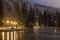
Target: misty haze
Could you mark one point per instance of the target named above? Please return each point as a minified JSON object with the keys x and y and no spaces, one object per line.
{"x":53,"y":3}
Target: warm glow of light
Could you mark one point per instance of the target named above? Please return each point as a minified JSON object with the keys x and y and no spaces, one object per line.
{"x":12,"y":36}
{"x":2,"y":35}
{"x":15,"y":35}
{"x":7,"y":35}
{"x":15,"y":23}
{"x":7,"y":21}
{"x":12,"y":22}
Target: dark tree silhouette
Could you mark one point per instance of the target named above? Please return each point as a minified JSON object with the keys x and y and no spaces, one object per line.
{"x":49,"y":20}
{"x":1,"y":14}
{"x":24,"y":11}
{"x":58,"y":19}
{"x":30,"y":19}
{"x":1,"y":18}
{"x":45,"y":18}
{"x":40,"y":19}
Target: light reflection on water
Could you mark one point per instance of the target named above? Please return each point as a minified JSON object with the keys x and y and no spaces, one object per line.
{"x":7,"y":35}
{"x":2,"y":35}
{"x":12,"y":35}
{"x":34,"y":34}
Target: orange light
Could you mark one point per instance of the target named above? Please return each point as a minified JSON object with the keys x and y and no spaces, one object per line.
{"x":15,"y":23}
{"x":11,"y":22}
{"x":7,"y":21}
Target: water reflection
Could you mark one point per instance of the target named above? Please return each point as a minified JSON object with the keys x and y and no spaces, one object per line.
{"x":2,"y":35}
{"x":12,"y":35}
{"x":46,"y":33}
{"x":7,"y":35}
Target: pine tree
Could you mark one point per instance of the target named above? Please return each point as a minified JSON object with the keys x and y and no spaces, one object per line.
{"x":30,"y":19}
{"x":1,"y":14}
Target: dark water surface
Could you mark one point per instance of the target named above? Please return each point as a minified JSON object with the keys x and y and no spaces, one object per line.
{"x":34,"y":34}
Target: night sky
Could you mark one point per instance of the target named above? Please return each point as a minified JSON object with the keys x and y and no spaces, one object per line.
{"x":53,"y":3}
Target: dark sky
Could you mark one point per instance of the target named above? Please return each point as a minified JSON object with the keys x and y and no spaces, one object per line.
{"x":53,"y":3}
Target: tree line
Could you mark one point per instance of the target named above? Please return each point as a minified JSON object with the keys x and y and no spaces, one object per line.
{"x":27,"y":13}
